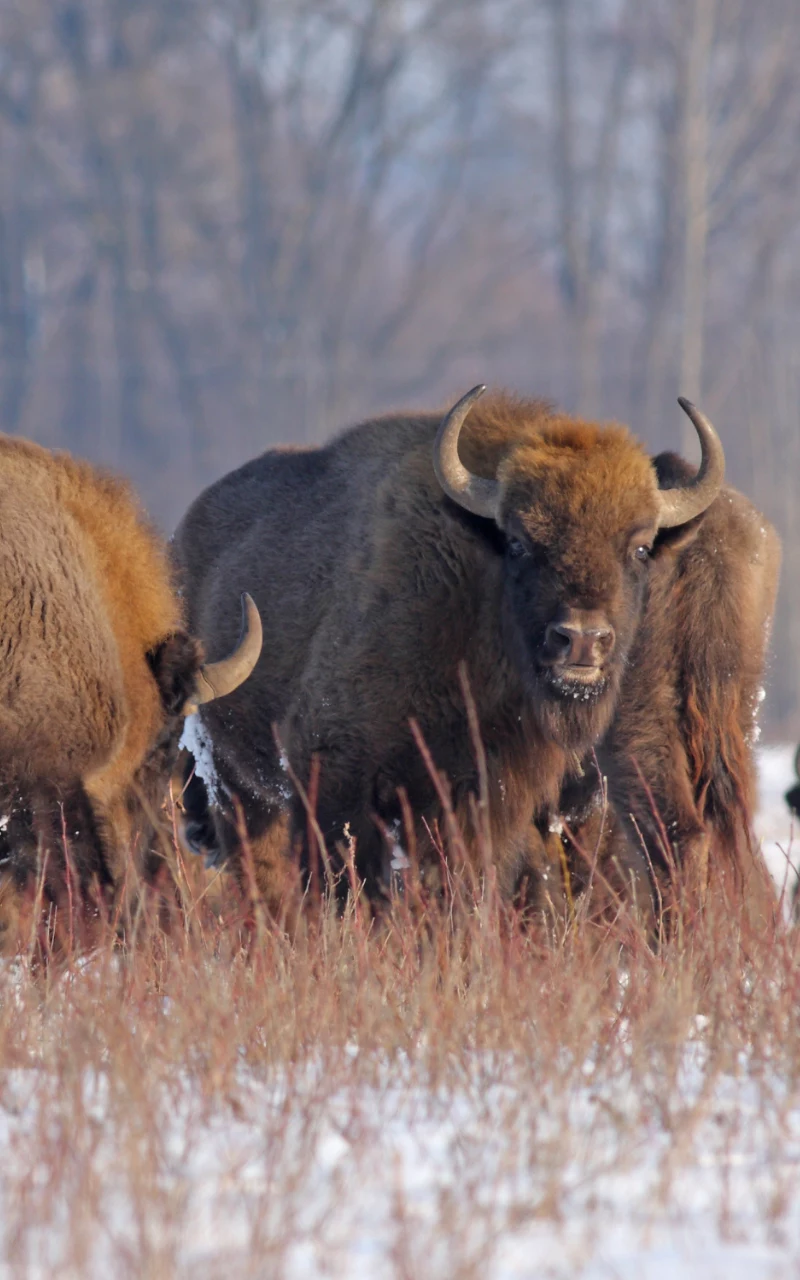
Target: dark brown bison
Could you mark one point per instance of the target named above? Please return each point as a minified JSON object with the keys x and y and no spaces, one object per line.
{"x":793,"y":794}
{"x":97,"y":674}
{"x":678,"y":756}
{"x":506,"y":539}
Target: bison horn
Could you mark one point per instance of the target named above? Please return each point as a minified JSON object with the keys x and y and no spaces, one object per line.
{"x":475,"y":493}
{"x":215,"y":679}
{"x":691,"y":499}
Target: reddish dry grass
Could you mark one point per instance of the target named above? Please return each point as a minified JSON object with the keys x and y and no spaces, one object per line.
{"x":172,"y":1105}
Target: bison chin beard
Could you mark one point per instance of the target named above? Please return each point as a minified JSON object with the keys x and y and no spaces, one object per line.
{"x":573,"y":715}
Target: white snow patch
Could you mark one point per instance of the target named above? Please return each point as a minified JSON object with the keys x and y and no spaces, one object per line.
{"x":196,"y":740}
{"x":399,"y":859}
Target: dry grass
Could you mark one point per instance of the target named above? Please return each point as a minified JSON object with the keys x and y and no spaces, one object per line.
{"x":443,"y":1095}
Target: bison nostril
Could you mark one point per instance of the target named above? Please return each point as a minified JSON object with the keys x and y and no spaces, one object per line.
{"x":604,"y":641}
{"x":559,"y":640}
{"x":577,"y":645}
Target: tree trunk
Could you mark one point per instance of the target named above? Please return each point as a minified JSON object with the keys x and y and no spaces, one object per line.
{"x":695,"y":164}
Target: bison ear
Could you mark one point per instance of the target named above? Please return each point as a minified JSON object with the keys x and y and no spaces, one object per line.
{"x":671,"y":541}
{"x":673,"y":471}
{"x":175,"y":663}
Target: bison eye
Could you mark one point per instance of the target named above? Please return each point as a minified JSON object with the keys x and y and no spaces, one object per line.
{"x":642,"y":553}
{"x":516,"y":548}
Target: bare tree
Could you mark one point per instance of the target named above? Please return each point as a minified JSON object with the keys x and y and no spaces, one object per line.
{"x":584,"y":175}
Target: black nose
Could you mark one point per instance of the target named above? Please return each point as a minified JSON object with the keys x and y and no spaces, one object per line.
{"x":578,"y":646}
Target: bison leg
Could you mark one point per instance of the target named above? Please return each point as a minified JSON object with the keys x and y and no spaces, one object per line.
{"x":614,"y":871}
{"x":249,"y":835}
{"x":541,"y":888}
{"x":52,"y":852}
{"x":654,"y":799}
{"x":260,"y":856}
{"x":346,"y":825}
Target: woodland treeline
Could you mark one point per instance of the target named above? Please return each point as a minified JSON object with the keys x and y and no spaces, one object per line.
{"x":228,"y":223}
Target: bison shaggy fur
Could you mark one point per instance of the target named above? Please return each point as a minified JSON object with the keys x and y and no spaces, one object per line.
{"x":377,"y":591}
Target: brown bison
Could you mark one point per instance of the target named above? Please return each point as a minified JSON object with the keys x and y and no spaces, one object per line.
{"x":506,"y":539}
{"x":678,"y":756}
{"x":793,"y":794}
{"x":97,"y":675}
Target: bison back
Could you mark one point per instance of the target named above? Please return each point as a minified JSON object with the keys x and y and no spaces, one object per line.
{"x":61,"y":693}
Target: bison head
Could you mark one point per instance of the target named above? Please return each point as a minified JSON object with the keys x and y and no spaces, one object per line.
{"x":185,"y":682}
{"x":583,"y":518}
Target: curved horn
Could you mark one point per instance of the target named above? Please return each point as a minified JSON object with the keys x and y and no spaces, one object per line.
{"x":215,"y":679}
{"x":692,"y":498}
{"x":475,"y":493}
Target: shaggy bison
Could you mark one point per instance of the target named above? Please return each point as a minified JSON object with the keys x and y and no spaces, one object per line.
{"x":678,"y":755}
{"x":97,"y":675}
{"x":793,"y":794}
{"x":507,"y":540}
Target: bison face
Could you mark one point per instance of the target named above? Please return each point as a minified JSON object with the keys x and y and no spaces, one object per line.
{"x":582,"y":513}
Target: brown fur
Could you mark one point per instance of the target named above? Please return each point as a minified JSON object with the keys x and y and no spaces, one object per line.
{"x":95,"y":666}
{"x":374,"y":589}
{"x":678,"y":756}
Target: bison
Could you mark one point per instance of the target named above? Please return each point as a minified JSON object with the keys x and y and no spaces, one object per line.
{"x":506,"y":540}
{"x":792,"y":796}
{"x":678,"y":756}
{"x":97,"y":674}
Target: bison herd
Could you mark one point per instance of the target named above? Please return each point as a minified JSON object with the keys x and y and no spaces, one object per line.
{"x":506,"y":636}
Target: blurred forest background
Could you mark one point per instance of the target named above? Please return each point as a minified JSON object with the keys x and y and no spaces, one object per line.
{"x":228,"y":223}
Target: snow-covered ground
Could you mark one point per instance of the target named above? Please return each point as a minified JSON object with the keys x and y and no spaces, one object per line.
{"x":397,"y":1180}
{"x":403,"y":1178}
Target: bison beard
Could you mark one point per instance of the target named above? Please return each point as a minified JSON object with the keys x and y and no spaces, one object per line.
{"x":514,"y":543}
{"x":97,"y":671}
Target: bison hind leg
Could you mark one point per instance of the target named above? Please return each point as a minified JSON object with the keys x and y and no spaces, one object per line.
{"x":75,"y":827}
{"x":52,"y":850}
